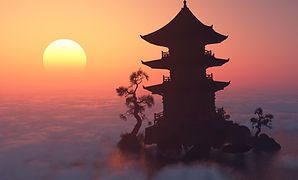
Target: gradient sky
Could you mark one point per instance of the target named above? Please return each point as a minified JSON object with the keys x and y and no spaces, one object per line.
{"x":262,"y":41}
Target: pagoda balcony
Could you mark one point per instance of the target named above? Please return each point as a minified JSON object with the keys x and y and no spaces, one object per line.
{"x":158,"y":117}
{"x":165,"y":54}
{"x":162,"y":63}
{"x":166,"y":79}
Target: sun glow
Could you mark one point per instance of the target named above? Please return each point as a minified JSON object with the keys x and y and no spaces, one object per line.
{"x":64,"y":55}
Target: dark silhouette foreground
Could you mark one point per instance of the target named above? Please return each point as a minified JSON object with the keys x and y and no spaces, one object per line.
{"x":190,"y":125}
{"x":189,"y":122}
{"x":131,"y":143}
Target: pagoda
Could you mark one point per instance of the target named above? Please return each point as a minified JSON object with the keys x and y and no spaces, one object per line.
{"x":189,"y":113}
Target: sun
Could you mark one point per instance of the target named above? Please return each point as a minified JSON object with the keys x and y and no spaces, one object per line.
{"x":64,"y":55}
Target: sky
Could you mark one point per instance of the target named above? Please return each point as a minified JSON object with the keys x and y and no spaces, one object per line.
{"x":262,"y":43}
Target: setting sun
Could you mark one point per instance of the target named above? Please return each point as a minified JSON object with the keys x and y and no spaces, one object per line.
{"x":64,"y":55}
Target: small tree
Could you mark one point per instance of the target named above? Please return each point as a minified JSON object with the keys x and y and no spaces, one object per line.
{"x":136,"y":104}
{"x":261,"y":120}
{"x":222,"y":114}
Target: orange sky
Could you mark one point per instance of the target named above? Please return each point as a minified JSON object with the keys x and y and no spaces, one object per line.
{"x":262,"y":41}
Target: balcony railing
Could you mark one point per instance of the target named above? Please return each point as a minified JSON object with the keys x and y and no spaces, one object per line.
{"x":158,"y":117}
{"x":208,"y":53}
{"x":165,"y":54}
{"x":166,"y":79}
{"x":209,"y":76}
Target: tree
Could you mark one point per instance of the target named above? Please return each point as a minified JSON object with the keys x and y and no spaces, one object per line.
{"x":136,"y":104}
{"x":261,"y":120}
{"x":222,"y":114}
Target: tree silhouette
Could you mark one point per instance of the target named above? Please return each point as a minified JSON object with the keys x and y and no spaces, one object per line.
{"x":261,"y":120}
{"x":222,"y":114}
{"x":136,"y":104}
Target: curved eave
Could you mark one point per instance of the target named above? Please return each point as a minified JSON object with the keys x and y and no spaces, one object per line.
{"x":154,"y":41}
{"x":155,"y":89}
{"x":157,"y":64}
{"x":211,"y":61}
{"x":218,"y":62}
{"x":218,"y":85}
{"x":167,"y":42}
{"x":217,"y":39}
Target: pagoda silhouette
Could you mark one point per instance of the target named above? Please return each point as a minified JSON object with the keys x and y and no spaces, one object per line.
{"x":189,"y":116}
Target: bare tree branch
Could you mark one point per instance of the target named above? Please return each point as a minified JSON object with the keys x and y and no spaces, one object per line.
{"x":261,"y":120}
{"x":136,"y":105}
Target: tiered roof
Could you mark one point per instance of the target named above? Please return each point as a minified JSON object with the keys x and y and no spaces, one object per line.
{"x":161,"y":88}
{"x":206,"y":61}
{"x":185,"y":27}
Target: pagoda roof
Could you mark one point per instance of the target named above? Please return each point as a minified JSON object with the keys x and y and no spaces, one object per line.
{"x":157,"y":64}
{"x":219,"y":85}
{"x":184,"y":27}
{"x":210,"y":61}
{"x":160,"y":88}
{"x":156,"y":89}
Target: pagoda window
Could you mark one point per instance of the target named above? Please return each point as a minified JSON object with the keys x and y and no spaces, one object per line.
{"x":209,"y":76}
{"x":166,"y":79}
{"x":165,"y":54}
{"x":209,"y":53}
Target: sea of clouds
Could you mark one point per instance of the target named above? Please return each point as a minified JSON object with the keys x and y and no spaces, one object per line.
{"x":75,"y":137}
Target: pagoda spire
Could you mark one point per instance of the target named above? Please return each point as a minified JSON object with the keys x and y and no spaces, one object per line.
{"x":185,"y":3}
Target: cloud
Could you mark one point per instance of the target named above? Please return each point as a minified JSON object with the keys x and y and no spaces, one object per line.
{"x":207,"y":172}
{"x":289,"y":162}
{"x":75,"y":138}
